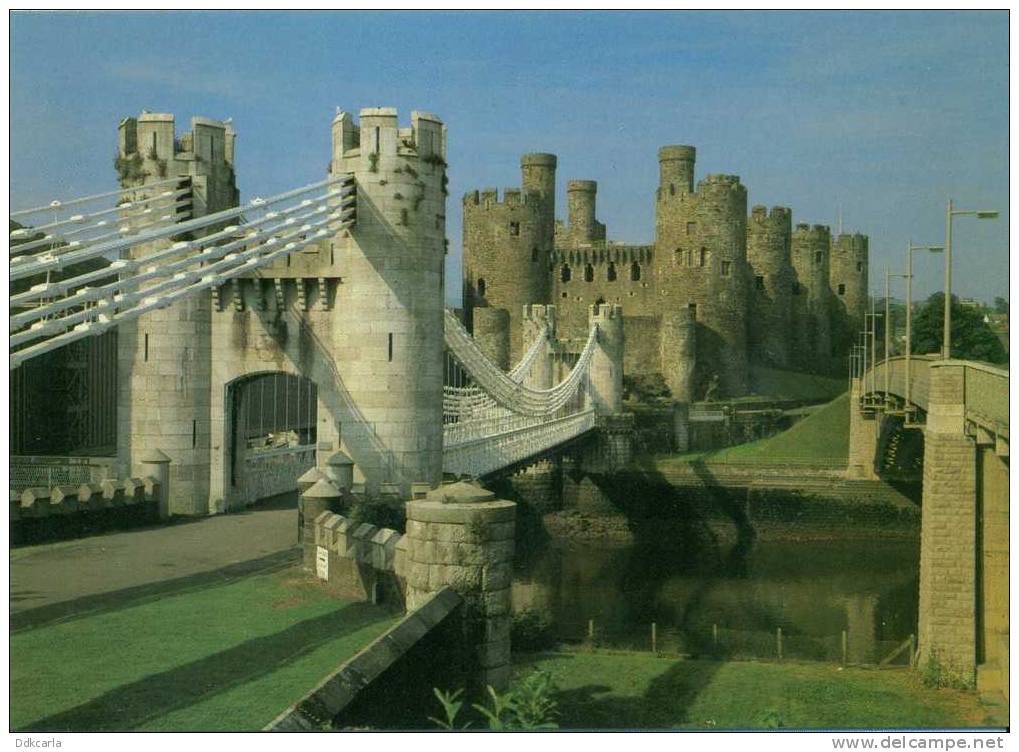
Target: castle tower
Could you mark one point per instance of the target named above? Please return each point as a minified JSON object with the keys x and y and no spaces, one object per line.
{"x":701,"y":264}
{"x":164,"y":357}
{"x":768,"y":253}
{"x":583,"y":225}
{"x":507,"y":247}
{"x":849,"y":291}
{"x":388,"y":338}
{"x":539,"y":320}
{"x":811,"y":247}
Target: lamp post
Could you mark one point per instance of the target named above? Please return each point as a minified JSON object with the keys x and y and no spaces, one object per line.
{"x":873,"y":342}
{"x":909,"y":308}
{"x":950,"y":213}
{"x":888,"y":326}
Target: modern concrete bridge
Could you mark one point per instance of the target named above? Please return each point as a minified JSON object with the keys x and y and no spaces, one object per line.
{"x":962,"y":409}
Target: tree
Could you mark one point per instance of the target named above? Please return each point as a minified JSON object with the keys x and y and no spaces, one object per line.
{"x":972,"y":338}
{"x":1000,"y":305}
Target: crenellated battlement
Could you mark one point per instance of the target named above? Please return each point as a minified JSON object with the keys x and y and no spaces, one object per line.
{"x":377,"y":132}
{"x":855,"y":244}
{"x":539,"y":312}
{"x":606,"y":312}
{"x":152,"y":136}
{"x":780,"y":215}
{"x":488,"y":198}
{"x":720,"y":181}
{"x":817,"y":232}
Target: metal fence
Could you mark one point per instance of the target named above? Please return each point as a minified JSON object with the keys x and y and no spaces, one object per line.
{"x":30,"y":472}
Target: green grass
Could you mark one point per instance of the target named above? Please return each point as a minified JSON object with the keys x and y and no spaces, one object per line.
{"x":820,"y":438}
{"x":226,"y":657}
{"x":641,"y":691}
{"x":772,"y":382}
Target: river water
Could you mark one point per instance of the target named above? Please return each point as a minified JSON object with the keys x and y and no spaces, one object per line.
{"x":832,"y":598}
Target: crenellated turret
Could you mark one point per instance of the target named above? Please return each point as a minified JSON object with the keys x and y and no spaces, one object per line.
{"x":811,"y":249}
{"x":848,"y":272}
{"x":769,"y":238}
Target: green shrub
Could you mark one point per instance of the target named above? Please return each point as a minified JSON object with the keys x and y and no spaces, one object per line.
{"x":531,"y":631}
{"x":647,"y":388}
{"x":528,"y":705}
{"x":378,"y":512}
{"x":936,"y":674}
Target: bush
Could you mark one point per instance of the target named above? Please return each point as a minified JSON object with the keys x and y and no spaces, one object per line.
{"x":531,"y":631}
{"x":378,"y":512}
{"x":648,"y":388}
{"x":528,"y":705}
{"x":936,"y":674}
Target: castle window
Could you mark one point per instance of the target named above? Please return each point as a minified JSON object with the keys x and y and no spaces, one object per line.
{"x":534,"y":253}
{"x":817,"y":257}
{"x":514,"y":228}
{"x":703,"y":257}
{"x":390,"y":347}
{"x":153,"y":144}
{"x":565,"y":274}
{"x":691,"y":228}
{"x":610,"y":274}
{"x":481,"y":287}
{"x":589,"y":273}
{"x":564,"y":295}
{"x":693,"y":311}
{"x":146,"y":348}
{"x":672,"y":189}
{"x":678,"y":256}
{"x":634,"y":272}
{"x":726,"y":268}
{"x":842,"y":289}
{"x":859,"y":266}
{"x":378,"y":139}
{"x":759,"y":282}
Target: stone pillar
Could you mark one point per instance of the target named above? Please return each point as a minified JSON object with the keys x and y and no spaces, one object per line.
{"x":948,"y":545}
{"x":605,"y":390}
{"x":992,"y":639}
{"x":157,"y":464}
{"x":864,"y":432}
{"x":681,"y":426}
{"x":460,"y":536}
{"x":539,"y":320}
{"x":324,"y":496}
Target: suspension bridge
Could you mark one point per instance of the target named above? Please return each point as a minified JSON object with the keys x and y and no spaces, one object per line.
{"x":82,"y":267}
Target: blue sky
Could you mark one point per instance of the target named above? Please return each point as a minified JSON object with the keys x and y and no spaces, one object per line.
{"x":885,"y":115}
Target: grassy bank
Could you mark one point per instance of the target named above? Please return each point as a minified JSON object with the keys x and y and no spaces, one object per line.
{"x":821,"y":438}
{"x":228,"y":657}
{"x":641,"y":691}
{"x":778,"y":384}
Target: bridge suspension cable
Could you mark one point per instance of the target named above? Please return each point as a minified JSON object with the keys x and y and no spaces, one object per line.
{"x":504,"y":390}
{"x":54,"y":314}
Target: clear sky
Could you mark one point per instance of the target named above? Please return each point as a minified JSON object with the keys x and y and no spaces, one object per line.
{"x":884,"y":115}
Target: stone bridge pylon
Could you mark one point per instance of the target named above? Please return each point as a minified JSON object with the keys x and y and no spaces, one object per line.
{"x":962,"y":409}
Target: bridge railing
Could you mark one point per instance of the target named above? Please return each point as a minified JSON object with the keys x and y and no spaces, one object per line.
{"x":986,"y":395}
{"x":919,"y":386}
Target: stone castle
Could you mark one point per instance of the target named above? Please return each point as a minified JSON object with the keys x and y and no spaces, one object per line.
{"x":717,"y":291}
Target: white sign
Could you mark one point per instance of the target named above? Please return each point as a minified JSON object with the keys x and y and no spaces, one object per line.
{"x":322,"y":563}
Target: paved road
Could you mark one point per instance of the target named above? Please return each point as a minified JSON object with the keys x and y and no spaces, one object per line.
{"x":51,"y":581}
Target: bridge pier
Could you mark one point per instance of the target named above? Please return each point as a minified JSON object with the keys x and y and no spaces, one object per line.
{"x":948,"y":537}
{"x":864,"y":433}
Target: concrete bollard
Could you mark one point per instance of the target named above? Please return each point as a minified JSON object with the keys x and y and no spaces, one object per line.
{"x":324,"y":496}
{"x":157,"y":464}
{"x":460,"y":536}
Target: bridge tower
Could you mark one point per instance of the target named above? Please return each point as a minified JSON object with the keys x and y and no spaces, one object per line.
{"x":537,"y":321}
{"x":165,"y":357}
{"x":388,"y":339}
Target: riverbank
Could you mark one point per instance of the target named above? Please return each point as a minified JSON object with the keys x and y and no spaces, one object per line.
{"x":603,"y":690}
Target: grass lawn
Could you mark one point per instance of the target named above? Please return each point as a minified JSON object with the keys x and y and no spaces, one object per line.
{"x":226,"y":657}
{"x":771,"y":382}
{"x":634,"y":691}
{"x":822,"y":438}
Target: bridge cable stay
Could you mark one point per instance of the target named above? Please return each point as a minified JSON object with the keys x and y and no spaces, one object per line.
{"x":63,"y":314}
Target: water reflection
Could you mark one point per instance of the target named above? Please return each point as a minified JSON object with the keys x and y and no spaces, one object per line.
{"x":729,"y":598}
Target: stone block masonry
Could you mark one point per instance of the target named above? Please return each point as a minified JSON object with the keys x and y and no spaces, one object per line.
{"x":462,"y":537}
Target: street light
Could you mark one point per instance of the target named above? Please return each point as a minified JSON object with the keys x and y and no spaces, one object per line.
{"x":950,"y":212}
{"x":888,"y":325}
{"x":909,"y":307}
{"x":873,"y":316}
